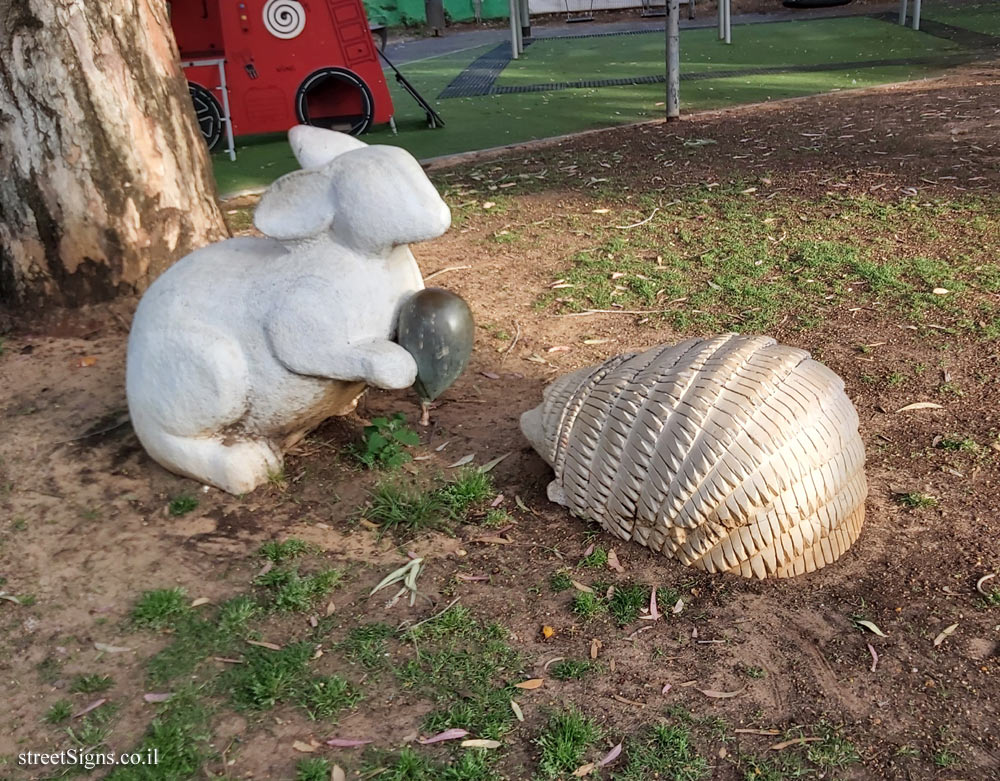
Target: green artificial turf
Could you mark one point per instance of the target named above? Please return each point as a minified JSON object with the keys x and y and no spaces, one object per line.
{"x":494,"y":120}
{"x":978,"y":17}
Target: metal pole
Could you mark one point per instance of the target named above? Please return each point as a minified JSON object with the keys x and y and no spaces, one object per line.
{"x":916,"y":14}
{"x":520,"y":39}
{"x":721,"y":11}
{"x":902,"y":11}
{"x":673,"y":60}
{"x":513,"y":29}
{"x":729,"y":20}
{"x":230,"y":142}
{"x":525,"y":12}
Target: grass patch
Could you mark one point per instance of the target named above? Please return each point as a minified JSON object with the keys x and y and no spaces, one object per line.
{"x":588,"y":606}
{"x":405,"y":509}
{"x":294,"y":593}
{"x":560,"y":581}
{"x":409,"y":765}
{"x":460,"y":664}
{"x":597,"y":559}
{"x":916,"y":500}
{"x":182,"y":505}
{"x":280,"y":552}
{"x":366,"y":645}
{"x":384,"y":441}
{"x":663,"y":751}
{"x":58,"y":711}
{"x":313,"y":769}
{"x":570,"y":669}
{"x":160,"y":608}
{"x":564,"y":742}
{"x":834,"y":751}
{"x":470,"y":488}
{"x":90,"y":683}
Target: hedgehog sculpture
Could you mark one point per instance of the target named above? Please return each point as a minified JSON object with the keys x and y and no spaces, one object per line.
{"x":731,"y":454}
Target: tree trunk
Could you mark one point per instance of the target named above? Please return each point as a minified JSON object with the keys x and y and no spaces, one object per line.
{"x":104,"y":177}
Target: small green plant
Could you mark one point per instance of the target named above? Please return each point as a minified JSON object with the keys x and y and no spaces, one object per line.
{"x":471,"y":487}
{"x":19,"y":524}
{"x":280,"y":552}
{"x":90,"y":683}
{"x":754,"y":672}
{"x":366,"y":645}
{"x":564,"y":742}
{"x":496,"y":517}
{"x":663,"y":751}
{"x":908,"y":751}
{"x":992,"y":598}
{"x":916,"y":500}
{"x":597,"y":559}
{"x":235,"y":614}
{"x":160,"y":608}
{"x":323,"y":697}
{"x":944,"y":757}
{"x":384,"y":442}
{"x":833,"y":751}
{"x":570,"y":669}
{"x":182,"y":505}
{"x":560,"y":581}
{"x":401,"y":509}
{"x":294,"y":593}
{"x":313,"y":769}
{"x":588,"y":606}
{"x":59,"y":711}
{"x":959,"y":443}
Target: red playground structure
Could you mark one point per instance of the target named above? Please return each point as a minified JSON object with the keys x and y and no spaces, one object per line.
{"x":262,"y":66}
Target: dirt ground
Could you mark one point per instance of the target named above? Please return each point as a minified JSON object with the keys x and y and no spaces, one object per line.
{"x":84,"y":527}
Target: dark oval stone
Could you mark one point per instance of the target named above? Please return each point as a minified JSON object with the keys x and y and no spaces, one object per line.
{"x":437,"y":329}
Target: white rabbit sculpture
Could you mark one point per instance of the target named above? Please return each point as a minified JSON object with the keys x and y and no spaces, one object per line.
{"x":242,"y":347}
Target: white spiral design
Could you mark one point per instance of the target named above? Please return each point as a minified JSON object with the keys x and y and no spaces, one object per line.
{"x":284,"y":18}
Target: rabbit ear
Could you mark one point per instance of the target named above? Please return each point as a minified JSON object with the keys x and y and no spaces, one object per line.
{"x":296,"y":206}
{"x":315,"y":146}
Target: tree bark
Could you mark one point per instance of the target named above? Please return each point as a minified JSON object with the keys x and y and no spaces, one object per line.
{"x":104,"y":177}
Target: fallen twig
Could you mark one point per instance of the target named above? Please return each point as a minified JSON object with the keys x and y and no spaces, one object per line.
{"x":641,"y":222}
{"x":512,"y":344}
{"x":445,"y":270}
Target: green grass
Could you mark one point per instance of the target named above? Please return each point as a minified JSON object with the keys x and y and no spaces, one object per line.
{"x":570,"y":669}
{"x":981,"y":17}
{"x":464,"y":667}
{"x":313,"y":769}
{"x":280,"y":552}
{"x":493,"y":120}
{"x":90,"y":683}
{"x":410,"y":765}
{"x":560,"y":581}
{"x":366,"y":645}
{"x":834,"y":751}
{"x":182,"y":505}
{"x":160,"y":608}
{"x":662,"y":751}
{"x":597,"y":559}
{"x":405,"y":510}
{"x":588,"y":606}
{"x":294,"y":593}
{"x":960,"y":443}
{"x":916,"y":500}
{"x":564,"y":742}
{"x":58,"y":711}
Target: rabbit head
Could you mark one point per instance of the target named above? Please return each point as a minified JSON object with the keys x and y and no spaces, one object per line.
{"x":370,"y":198}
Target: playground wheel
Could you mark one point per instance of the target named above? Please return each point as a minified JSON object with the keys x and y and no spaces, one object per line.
{"x":335,"y":99}
{"x":208,"y":112}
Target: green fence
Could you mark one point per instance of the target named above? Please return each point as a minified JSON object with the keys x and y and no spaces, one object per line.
{"x":411,"y":12}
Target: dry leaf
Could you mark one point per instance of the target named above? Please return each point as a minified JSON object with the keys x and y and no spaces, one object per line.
{"x":226,"y":660}
{"x":871,"y":627}
{"x":548,"y":632}
{"x":493,"y":540}
{"x":559,"y":348}
{"x":200,"y":601}
{"x":93,"y":706}
{"x":488,"y":204}
{"x":979,"y":583}
{"x":111,"y":649}
{"x":678,"y":607}
{"x":601,"y":211}
{"x":584,"y":770}
{"x":481,"y":744}
{"x":721,"y":695}
{"x":156,"y":697}
{"x":611,"y":756}
{"x":272,"y":646}
{"x":330,"y":608}
{"x":348,"y":742}
{"x":613,"y":561}
{"x":941,"y":291}
{"x":944,"y":633}
{"x":338,"y":774}
{"x":919,"y":405}
{"x":581,"y":587}
{"x":654,"y":612}
{"x":871,"y":648}
{"x":531,"y":683}
{"x":87,"y":361}
{"x":463,"y":461}
{"x":448,"y":734}
{"x":666,"y":687}
{"x":518,"y":713}
{"x":626,"y":701}
{"x":305,"y":748}
{"x":595,"y":646}
{"x":794,"y":742}
{"x":488,"y":466}
{"x":597,"y":341}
